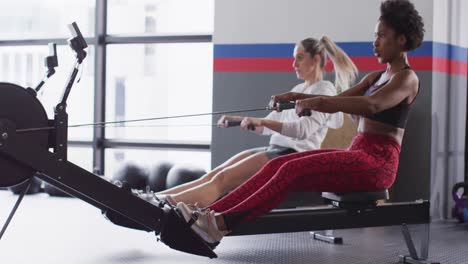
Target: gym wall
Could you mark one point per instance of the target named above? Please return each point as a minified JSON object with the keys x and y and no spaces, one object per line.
{"x":253,"y":45}
{"x":449,"y":86}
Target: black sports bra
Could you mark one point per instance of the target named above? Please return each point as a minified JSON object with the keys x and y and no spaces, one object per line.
{"x":396,"y":116}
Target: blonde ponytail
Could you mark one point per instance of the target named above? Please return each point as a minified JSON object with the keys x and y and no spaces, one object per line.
{"x":345,"y":70}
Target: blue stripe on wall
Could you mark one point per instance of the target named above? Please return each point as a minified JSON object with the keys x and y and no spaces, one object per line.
{"x":253,"y":50}
{"x":282,"y":50}
{"x":450,"y":51}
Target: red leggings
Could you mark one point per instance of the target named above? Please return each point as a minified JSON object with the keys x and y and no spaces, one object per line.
{"x":369,"y":164}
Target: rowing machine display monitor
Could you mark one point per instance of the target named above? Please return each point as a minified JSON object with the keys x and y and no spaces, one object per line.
{"x":50,"y":62}
{"x":77,"y":42}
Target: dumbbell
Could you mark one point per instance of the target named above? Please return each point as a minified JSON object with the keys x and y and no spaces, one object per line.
{"x":133,"y":174}
{"x":35,"y":187}
{"x":180,"y":174}
{"x":158,"y":175}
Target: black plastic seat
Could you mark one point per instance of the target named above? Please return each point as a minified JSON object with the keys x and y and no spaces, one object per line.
{"x":356,"y":200}
{"x":357,"y":196}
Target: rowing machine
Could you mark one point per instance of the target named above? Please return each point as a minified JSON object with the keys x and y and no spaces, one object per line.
{"x":32,"y":145}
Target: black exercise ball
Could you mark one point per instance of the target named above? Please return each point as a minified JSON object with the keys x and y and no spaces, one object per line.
{"x":36,"y":186}
{"x":158,"y":174}
{"x":180,"y":174}
{"x":54,"y":191}
{"x":135,"y":175}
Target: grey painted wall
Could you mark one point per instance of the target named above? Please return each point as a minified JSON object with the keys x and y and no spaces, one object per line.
{"x":243,"y":91}
{"x":449,"y":121}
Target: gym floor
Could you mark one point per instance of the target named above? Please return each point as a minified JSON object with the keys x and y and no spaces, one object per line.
{"x":66,"y":230}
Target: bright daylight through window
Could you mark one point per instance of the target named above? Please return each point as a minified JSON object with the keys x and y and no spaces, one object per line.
{"x":145,"y":75}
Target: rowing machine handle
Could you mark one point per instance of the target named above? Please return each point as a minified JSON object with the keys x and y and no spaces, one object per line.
{"x":231,"y":123}
{"x":280,"y":106}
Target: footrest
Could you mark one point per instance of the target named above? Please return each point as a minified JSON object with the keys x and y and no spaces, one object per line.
{"x":177,"y":234}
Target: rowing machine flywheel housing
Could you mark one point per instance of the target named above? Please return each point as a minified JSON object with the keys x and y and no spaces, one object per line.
{"x":22,"y":110}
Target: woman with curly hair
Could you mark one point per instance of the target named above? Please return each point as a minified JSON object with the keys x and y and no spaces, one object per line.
{"x":381,"y":101}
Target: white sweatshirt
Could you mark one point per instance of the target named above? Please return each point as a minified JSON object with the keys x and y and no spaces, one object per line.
{"x":306,"y":132}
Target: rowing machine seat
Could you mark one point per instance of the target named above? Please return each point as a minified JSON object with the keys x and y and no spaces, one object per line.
{"x":356,"y":200}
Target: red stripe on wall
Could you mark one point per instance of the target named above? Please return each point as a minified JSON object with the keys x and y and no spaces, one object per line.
{"x":253,"y":64}
{"x":450,"y":66}
{"x":365,"y":63}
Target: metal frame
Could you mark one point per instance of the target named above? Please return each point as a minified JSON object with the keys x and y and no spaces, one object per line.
{"x":99,"y":86}
{"x":76,"y":181}
{"x":37,"y":42}
{"x":324,"y":218}
{"x":117,"y":39}
{"x":166,"y":144}
{"x":331,"y":217}
{"x":327,"y":236}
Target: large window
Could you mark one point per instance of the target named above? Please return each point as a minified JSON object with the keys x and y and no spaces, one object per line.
{"x":176,"y":17}
{"x":31,"y":19}
{"x":81,"y":156}
{"x":149,"y":58}
{"x":24,"y":65}
{"x":175,"y":79}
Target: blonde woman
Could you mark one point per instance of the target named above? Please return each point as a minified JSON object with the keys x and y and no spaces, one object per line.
{"x":289,"y":132}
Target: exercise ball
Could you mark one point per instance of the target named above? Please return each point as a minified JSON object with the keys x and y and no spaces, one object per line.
{"x":158,"y":174}
{"x":133,"y":174}
{"x":180,"y":174}
{"x":36,"y":186}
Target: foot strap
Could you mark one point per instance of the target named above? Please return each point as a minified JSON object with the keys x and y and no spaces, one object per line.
{"x":193,"y":218}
